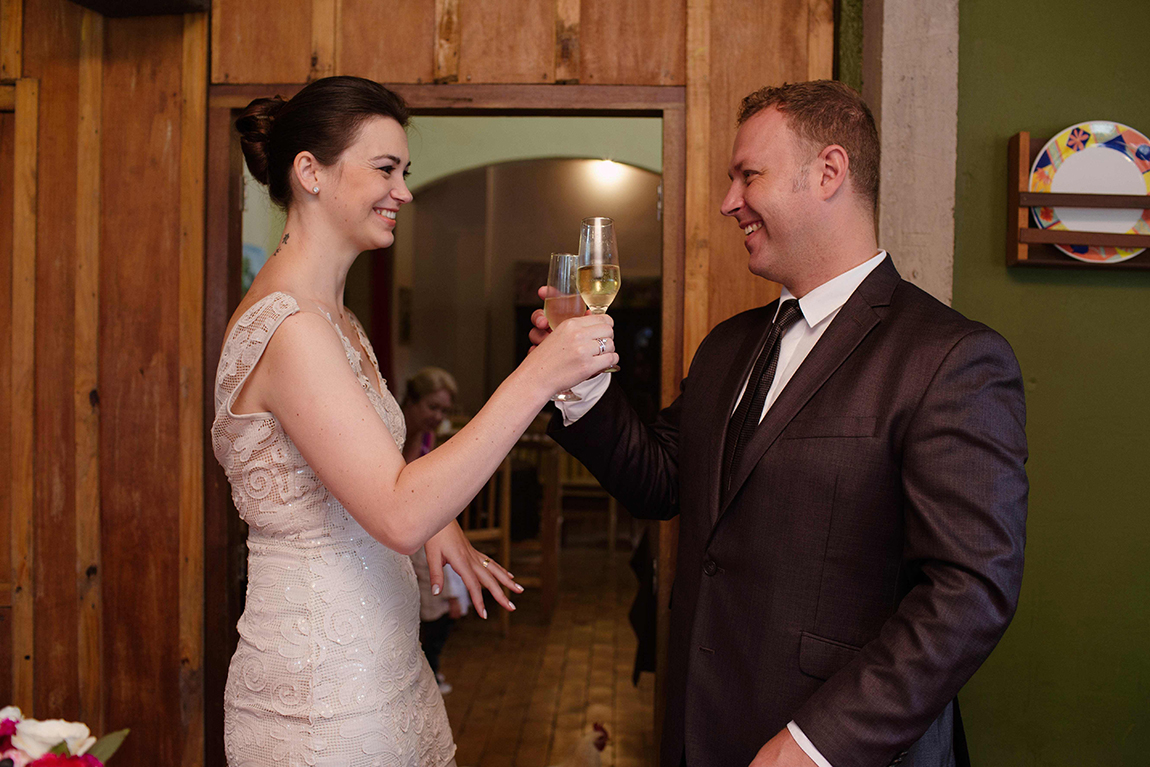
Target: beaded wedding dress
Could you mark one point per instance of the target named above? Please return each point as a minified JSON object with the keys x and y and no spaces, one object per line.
{"x":329,"y":671}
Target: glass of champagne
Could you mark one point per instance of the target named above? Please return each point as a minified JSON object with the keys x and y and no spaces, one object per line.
{"x":598,"y":266}
{"x":563,"y":301}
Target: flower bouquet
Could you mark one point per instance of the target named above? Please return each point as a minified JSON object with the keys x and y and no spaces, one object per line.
{"x":52,"y":743}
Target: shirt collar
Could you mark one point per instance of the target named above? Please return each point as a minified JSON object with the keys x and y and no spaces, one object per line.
{"x":829,"y":297}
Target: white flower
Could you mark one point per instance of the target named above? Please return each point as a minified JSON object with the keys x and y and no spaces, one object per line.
{"x":10,"y":712}
{"x":38,"y":738}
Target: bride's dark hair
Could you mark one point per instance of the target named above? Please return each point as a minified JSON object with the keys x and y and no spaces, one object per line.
{"x":324,"y":118}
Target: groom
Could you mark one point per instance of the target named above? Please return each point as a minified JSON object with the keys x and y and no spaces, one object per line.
{"x":847,"y":466}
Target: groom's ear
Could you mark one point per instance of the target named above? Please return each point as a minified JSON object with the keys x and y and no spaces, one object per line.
{"x":830,"y":171}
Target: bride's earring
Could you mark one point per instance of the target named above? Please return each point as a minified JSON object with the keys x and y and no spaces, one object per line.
{"x":315,"y":190}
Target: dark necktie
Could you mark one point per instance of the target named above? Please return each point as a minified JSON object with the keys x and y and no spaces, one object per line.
{"x":746,"y":418}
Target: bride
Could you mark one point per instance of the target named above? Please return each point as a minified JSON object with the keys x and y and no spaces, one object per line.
{"x":328,"y":670}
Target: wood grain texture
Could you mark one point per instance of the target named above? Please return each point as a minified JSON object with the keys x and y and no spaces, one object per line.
{"x":7,"y":98}
{"x":139,"y":380}
{"x":52,"y":54}
{"x":11,"y":39}
{"x":640,"y":42}
{"x":7,"y":148}
{"x":262,"y":41}
{"x":193,"y":162}
{"x":446,"y":41}
{"x":752,"y":45}
{"x":404,"y":54}
{"x":223,"y":239}
{"x":323,"y":39}
{"x":567,"y":55}
{"x":503,"y":42}
{"x":820,"y":39}
{"x":697,"y":215}
{"x":674,"y":244}
{"x":85,"y":395}
{"x":23,"y":330}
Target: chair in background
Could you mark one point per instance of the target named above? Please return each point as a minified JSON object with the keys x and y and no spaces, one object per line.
{"x":487,"y":523}
{"x":576,"y":481}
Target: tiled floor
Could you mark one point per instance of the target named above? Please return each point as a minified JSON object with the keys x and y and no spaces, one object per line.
{"x":524,"y":700}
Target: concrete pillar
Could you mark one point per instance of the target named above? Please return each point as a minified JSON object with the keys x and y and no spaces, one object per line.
{"x":910,"y":81}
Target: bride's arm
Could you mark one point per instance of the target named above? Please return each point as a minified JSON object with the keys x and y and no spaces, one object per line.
{"x":305,"y":381}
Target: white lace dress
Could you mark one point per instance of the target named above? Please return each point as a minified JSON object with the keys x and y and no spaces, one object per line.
{"x":329,"y":671}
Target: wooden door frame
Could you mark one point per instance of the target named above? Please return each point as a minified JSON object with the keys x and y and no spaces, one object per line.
{"x":223,"y":250}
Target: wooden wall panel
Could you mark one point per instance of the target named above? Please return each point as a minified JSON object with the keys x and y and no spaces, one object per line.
{"x":404,"y":54}
{"x":7,"y":169}
{"x":52,"y":56}
{"x":697,"y":218}
{"x":752,"y":44}
{"x":11,"y":38}
{"x":85,"y":394}
{"x":262,"y":41}
{"x":23,"y":392}
{"x":502,"y":42}
{"x":224,"y":237}
{"x":193,"y":167}
{"x":641,"y":42}
{"x":820,"y":39}
{"x":139,"y":384}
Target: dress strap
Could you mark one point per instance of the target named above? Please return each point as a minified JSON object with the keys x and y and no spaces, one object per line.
{"x":246,"y":343}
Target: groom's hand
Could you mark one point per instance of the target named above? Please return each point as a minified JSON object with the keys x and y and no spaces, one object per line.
{"x":782,"y":751}
{"x":540,"y":328}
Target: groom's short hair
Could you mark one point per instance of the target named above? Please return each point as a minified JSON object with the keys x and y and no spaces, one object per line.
{"x":825,"y":112}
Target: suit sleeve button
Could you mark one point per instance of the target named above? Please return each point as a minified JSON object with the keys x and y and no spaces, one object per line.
{"x":710,"y":568}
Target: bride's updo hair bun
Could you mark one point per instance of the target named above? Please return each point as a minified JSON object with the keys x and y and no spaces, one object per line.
{"x":255,"y":128}
{"x":324,"y":118}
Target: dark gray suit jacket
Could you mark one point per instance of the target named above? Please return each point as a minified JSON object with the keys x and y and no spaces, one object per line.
{"x":868,"y":554}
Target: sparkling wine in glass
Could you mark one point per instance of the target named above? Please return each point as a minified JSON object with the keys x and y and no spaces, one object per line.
{"x":563,"y":300}
{"x":598,"y":275}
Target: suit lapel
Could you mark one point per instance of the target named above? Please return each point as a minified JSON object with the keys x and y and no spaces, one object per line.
{"x":848,"y":329}
{"x":723,"y":403}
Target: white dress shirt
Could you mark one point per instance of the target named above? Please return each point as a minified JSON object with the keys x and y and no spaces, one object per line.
{"x":819,"y":307}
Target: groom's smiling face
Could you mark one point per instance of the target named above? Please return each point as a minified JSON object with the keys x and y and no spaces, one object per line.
{"x":770,"y":196}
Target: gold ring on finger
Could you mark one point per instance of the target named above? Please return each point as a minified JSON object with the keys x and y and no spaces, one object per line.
{"x":486,"y":561}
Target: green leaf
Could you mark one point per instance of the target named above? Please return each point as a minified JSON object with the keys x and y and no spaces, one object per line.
{"x":60,"y":748}
{"x":103,"y":748}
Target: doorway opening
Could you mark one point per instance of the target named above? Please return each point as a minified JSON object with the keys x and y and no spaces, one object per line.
{"x":457,"y":290}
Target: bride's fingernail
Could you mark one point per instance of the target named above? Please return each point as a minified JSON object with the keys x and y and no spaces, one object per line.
{"x":435,"y":590}
{"x":510,"y":604}
{"x":484,"y":614}
{"x":518,"y":588}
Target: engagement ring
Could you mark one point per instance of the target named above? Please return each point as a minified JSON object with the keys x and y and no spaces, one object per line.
{"x":486,"y":561}
{"x":602,"y":346}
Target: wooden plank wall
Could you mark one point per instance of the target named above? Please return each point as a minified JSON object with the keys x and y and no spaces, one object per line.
{"x":101,"y":373}
{"x":7,"y":176}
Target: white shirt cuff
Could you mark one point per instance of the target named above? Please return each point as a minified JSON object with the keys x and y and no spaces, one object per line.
{"x":806,"y":745}
{"x":590,"y":391}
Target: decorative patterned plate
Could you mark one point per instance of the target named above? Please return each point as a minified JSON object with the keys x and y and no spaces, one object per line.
{"x":1096,"y":157}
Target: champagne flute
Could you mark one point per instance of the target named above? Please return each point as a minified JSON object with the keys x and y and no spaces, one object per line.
{"x":563,"y":301}
{"x":598,"y":266}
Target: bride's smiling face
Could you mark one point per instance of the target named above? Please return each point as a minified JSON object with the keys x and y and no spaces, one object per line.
{"x":365,"y":188}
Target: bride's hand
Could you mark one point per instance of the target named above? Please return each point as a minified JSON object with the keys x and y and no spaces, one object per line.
{"x":450,"y":546}
{"x":580,"y":348}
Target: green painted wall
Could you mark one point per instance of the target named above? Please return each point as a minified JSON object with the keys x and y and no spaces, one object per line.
{"x":441,"y":146}
{"x":1070,"y":683}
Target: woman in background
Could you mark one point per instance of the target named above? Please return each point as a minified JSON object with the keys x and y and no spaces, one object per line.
{"x":328,"y":669}
{"x":427,"y":400}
